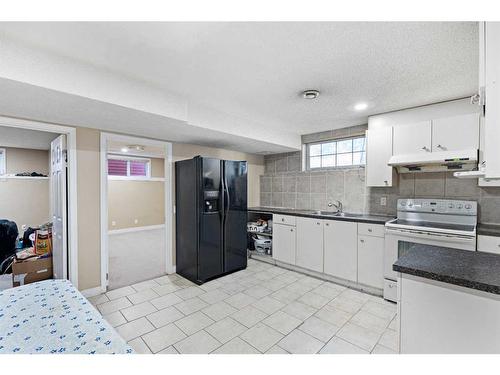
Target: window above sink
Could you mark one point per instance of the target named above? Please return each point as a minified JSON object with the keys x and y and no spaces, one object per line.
{"x":339,"y":153}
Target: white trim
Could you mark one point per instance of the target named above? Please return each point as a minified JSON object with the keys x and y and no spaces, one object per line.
{"x":14,"y":177}
{"x":135,"y":229}
{"x":3,"y":163}
{"x":169,"y":208}
{"x":70,"y":133}
{"x":92,"y":292}
{"x":105,"y":138}
{"x":136,"y":178}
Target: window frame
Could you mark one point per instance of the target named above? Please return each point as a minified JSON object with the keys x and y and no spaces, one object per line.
{"x":3,"y":162}
{"x":335,"y":140}
{"x":128,"y":177}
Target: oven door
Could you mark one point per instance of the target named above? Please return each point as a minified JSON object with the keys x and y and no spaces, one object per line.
{"x":397,"y":241}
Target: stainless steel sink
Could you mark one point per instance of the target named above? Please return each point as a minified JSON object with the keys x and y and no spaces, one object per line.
{"x":337,"y":214}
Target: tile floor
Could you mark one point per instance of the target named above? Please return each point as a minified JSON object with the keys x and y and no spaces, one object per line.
{"x":263,"y":309}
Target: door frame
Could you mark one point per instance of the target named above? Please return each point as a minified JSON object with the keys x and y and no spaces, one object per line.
{"x":72,"y":203}
{"x":168,"y":171}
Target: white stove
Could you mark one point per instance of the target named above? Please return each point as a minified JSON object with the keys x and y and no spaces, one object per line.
{"x":439,"y":222}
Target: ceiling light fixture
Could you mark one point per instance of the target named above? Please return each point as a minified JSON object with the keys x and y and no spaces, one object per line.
{"x":136,"y":147}
{"x":310,"y":94}
{"x":360,"y":106}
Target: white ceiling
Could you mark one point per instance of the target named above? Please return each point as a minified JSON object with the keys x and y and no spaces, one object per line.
{"x":24,"y":138}
{"x":256,"y":70}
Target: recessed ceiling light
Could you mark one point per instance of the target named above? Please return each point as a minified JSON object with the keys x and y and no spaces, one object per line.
{"x":124,"y":149}
{"x":360,"y":106}
{"x":310,"y":94}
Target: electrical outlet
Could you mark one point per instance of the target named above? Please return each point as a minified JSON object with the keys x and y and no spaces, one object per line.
{"x":113,"y":223}
{"x":383,"y":201}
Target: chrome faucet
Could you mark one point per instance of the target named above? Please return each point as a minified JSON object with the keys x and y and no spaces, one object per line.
{"x":337,"y":205}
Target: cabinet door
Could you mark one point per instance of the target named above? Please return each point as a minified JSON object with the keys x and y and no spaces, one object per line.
{"x":378,"y":153}
{"x":371,"y":261}
{"x":310,"y":244}
{"x":341,"y":255}
{"x":492,"y":98}
{"x":284,"y":243}
{"x":456,"y":133}
{"x":412,"y":138}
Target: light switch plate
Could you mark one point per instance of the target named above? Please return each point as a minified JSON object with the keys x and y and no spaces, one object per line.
{"x":383,"y":201}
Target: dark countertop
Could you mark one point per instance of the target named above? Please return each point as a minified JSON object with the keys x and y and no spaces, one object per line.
{"x":469,"y":269}
{"x":371,"y":219}
{"x":488,"y":230}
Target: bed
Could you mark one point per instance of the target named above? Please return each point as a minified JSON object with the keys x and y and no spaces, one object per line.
{"x":52,"y":316}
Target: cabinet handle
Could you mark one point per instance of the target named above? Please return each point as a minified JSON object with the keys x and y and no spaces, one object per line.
{"x":282,"y":219}
{"x":386,"y":182}
{"x":362,"y":241}
{"x":425,"y":148}
{"x":370,"y":230}
{"x":318,"y":223}
{"x":327,"y":224}
{"x":291,"y":230}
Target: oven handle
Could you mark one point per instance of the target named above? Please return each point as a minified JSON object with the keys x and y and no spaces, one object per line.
{"x":419,"y":234}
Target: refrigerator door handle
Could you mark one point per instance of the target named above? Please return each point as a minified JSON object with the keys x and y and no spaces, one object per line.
{"x":226,"y":192}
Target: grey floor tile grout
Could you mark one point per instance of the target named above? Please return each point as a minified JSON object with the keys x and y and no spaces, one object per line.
{"x":257,"y":267}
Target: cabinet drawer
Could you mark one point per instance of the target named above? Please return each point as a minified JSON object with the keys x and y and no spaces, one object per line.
{"x":284,"y":219}
{"x":376,"y":230}
{"x":489,"y":244}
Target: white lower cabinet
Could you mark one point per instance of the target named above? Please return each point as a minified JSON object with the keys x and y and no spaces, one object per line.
{"x":310,"y":244}
{"x":340,"y":249}
{"x":370,"y":261}
{"x":488,"y":244}
{"x":284,"y":243}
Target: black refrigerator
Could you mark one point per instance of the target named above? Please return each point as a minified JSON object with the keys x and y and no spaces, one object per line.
{"x":211,"y":217}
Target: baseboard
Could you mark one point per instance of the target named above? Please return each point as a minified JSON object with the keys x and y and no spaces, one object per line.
{"x":135,"y":229}
{"x":92,"y":292}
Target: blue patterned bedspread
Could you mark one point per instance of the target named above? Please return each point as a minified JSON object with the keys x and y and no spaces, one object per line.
{"x":53,"y":317}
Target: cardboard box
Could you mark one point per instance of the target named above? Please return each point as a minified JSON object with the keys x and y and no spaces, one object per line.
{"x":31,"y":270}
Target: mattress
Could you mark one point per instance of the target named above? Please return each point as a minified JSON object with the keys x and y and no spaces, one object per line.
{"x":52,"y":316}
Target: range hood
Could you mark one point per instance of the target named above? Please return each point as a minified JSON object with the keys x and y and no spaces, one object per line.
{"x":464,"y":160}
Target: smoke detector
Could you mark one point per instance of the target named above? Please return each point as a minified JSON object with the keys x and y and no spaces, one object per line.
{"x":310,"y":94}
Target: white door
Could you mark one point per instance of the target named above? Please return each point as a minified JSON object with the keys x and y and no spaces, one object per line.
{"x":378,"y":153}
{"x":456,"y":133}
{"x":58,"y":189}
{"x":412,"y":138}
{"x":371,"y":261}
{"x":284,"y":243}
{"x":341,"y":253}
{"x":310,"y":244}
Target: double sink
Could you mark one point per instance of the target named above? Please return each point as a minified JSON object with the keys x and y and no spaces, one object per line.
{"x":335,"y":214}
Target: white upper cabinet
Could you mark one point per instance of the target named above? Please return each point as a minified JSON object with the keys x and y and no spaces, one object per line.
{"x":490,"y":62}
{"x":310,"y":244}
{"x":413,"y":138}
{"x":378,"y":153}
{"x":455,"y":133}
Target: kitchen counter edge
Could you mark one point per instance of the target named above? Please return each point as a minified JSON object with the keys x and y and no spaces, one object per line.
{"x":370,"y":219}
{"x":469,"y":269}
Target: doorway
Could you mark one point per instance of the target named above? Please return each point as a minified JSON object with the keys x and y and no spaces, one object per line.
{"x":38,"y":191}
{"x":136,"y":210}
